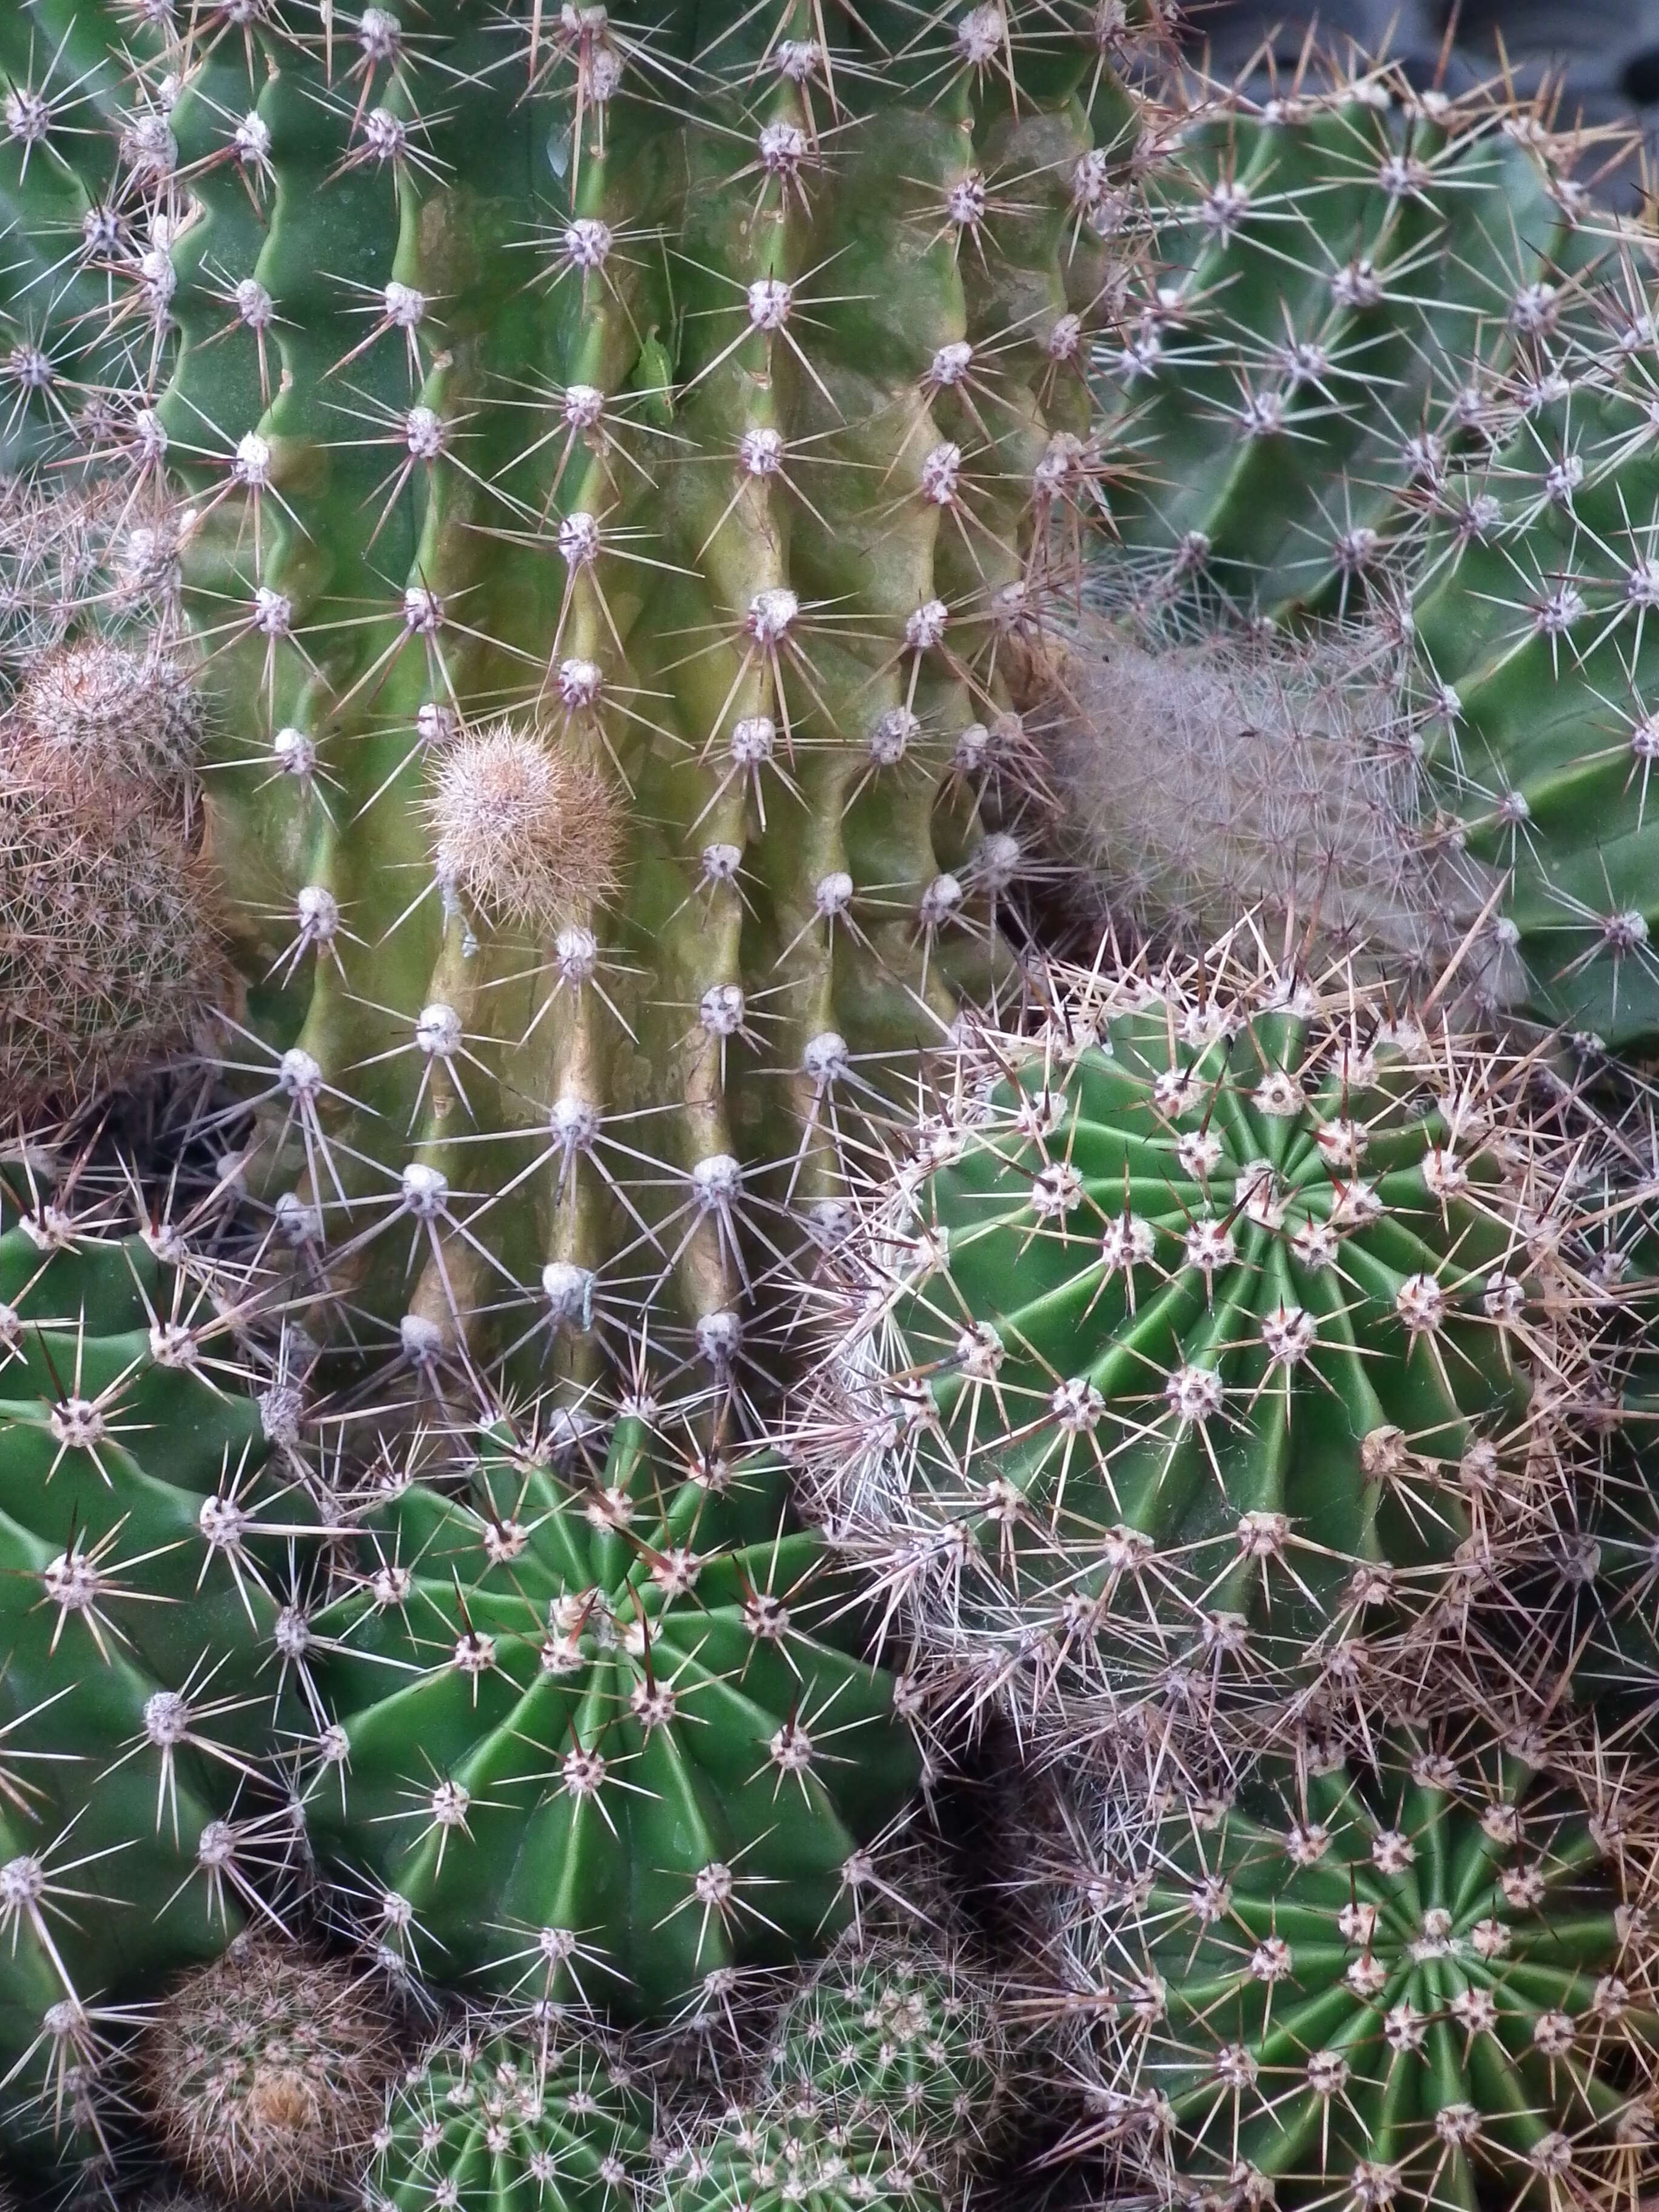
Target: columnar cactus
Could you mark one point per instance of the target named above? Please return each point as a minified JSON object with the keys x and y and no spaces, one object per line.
{"x":611,"y":454}
{"x":1210,"y":1348}
{"x":145,"y":1541}
{"x":597,"y":1729}
{"x":511,"y":2122}
{"x":1422,"y":1977}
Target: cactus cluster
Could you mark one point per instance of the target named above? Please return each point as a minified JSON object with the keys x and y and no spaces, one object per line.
{"x":854,"y":801}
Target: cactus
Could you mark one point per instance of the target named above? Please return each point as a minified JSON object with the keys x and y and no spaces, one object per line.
{"x":110,"y":950}
{"x":756,"y":2161}
{"x":596,"y":1731}
{"x":1206,"y":778}
{"x":902,"y":2036}
{"x":1213,"y":1348}
{"x":1419,"y":1976}
{"x":264,"y":2074}
{"x":1382,"y":359}
{"x":511,"y":2122}
{"x":607,"y":436}
{"x":144,"y":1540}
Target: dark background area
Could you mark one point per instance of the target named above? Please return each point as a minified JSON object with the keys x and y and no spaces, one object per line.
{"x":1595,"y":61}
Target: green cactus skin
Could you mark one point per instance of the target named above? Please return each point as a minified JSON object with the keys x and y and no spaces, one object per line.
{"x":510,"y":2123}
{"x":678,"y":293}
{"x":1412,"y":1983}
{"x":757,"y":2161}
{"x":1200,"y":1349}
{"x":144,"y":1540}
{"x":1384,"y":359}
{"x":597,"y":1731}
{"x":883,"y":2038}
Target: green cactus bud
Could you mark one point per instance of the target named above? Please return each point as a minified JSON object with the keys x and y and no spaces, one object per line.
{"x":145,"y":1540}
{"x":509,"y":2123}
{"x":597,"y":1728}
{"x":1418,"y":1978}
{"x":1214,"y":1345}
{"x":887,"y":2037}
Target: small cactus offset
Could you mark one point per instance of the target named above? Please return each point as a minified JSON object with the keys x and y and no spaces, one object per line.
{"x":598,"y":1726}
{"x":1422,"y":1975}
{"x":1206,"y":777}
{"x":499,"y":2120}
{"x":890,"y":2036}
{"x":147,"y":1539}
{"x":756,"y":2162}
{"x":265,"y":2073}
{"x":1214,"y":1344}
{"x":110,"y":955}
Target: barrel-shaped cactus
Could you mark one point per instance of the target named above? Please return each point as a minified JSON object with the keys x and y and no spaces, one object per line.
{"x":1418,"y":1977}
{"x":897,"y":2036}
{"x":599,"y":1728}
{"x":264,"y":2073}
{"x":146,"y":1540}
{"x":1210,"y":1349}
{"x":500,"y":2120}
{"x":755,"y":2159}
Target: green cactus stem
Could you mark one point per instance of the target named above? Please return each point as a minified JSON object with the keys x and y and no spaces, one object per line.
{"x":598,"y":1729}
{"x":633,"y":435}
{"x":1385,"y":360}
{"x":146,"y":1540}
{"x":1211,"y":1348}
{"x":512,"y":2122}
{"x":1424,"y":1978}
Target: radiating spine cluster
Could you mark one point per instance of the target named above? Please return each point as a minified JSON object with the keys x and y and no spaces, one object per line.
{"x":1209,"y":1351}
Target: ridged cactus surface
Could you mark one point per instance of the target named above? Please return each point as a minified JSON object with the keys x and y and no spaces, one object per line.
{"x":1423,"y":1977}
{"x":755,"y":2161}
{"x":145,"y":1542}
{"x":889,"y":2036}
{"x":512,"y":2122}
{"x":1208,"y":1342}
{"x":1385,"y":361}
{"x":596,"y":461}
{"x":598,"y":1728}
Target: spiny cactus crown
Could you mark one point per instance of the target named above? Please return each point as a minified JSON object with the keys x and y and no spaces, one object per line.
{"x":595,"y":1725}
{"x":266,"y":2072}
{"x":1422,"y":1973}
{"x":1207,"y":1343}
